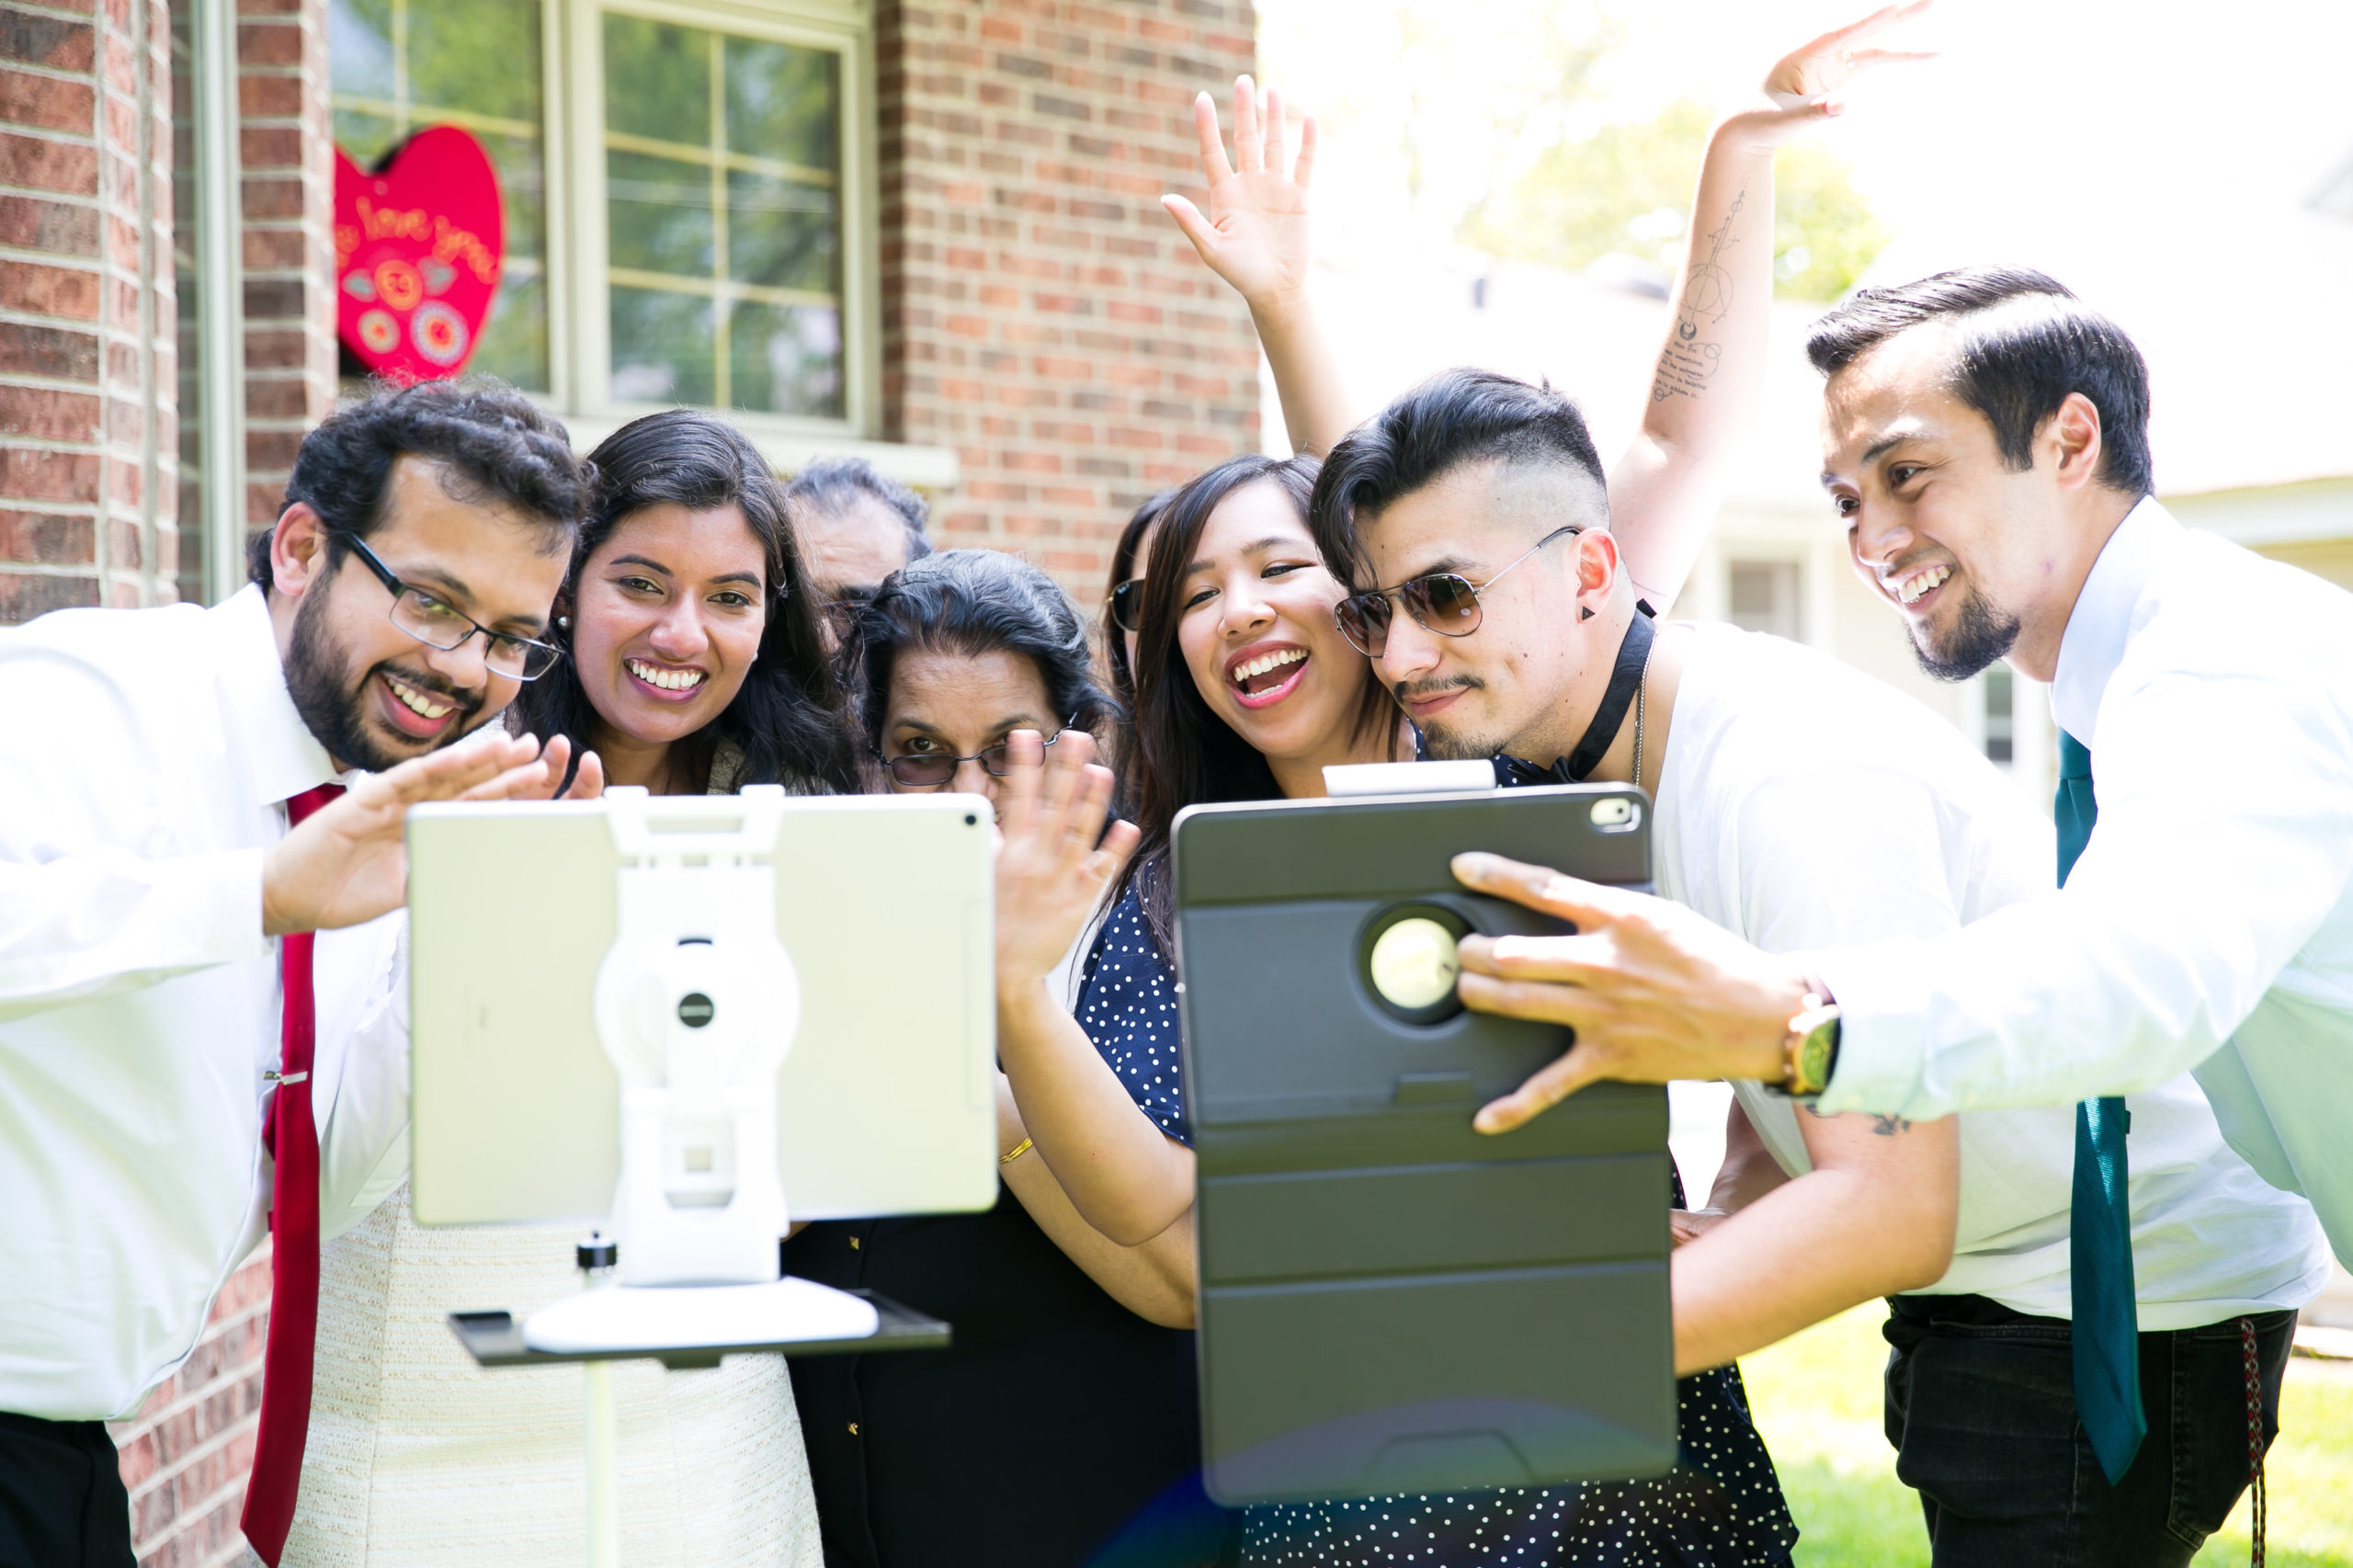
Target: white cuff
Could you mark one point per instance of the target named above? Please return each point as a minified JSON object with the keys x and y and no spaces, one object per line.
{"x":1882,"y":1038}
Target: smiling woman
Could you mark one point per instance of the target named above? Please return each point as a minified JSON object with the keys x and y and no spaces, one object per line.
{"x":697,"y":663}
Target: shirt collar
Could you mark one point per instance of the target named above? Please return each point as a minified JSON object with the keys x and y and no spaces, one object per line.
{"x":281,"y":756}
{"x":2101,"y":622}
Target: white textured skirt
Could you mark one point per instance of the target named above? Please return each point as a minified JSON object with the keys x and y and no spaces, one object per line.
{"x":416,"y":1455}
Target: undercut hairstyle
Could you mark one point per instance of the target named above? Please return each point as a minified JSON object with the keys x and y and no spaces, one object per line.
{"x":972,"y":603}
{"x":2022,"y":343}
{"x":790,"y":719}
{"x":1456,"y":417}
{"x":1185,"y":755}
{"x":830,"y":487}
{"x":492,"y":445}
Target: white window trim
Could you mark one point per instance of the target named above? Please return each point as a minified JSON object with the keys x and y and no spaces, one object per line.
{"x":220,"y":299}
{"x":579,"y":325}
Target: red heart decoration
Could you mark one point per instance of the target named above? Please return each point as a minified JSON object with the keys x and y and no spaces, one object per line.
{"x":418,"y":243}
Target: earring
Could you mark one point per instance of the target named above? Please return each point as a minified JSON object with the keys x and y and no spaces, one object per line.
{"x":565,"y":621}
{"x":1585,"y":612}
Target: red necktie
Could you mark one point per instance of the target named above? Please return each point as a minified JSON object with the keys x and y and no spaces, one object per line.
{"x":292,"y":1135}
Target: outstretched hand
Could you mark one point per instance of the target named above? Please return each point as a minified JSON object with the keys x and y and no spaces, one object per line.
{"x":1803,"y":84}
{"x":587,"y":781}
{"x":1053,"y":860}
{"x":1255,"y":234}
{"x":1655,"y":992}
{"x":347,"y":864}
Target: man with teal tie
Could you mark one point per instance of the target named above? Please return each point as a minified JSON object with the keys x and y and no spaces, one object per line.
{"x":1986,"y":441}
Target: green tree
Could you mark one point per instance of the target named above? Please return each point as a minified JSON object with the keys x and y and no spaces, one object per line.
{"x":1626,"y":190}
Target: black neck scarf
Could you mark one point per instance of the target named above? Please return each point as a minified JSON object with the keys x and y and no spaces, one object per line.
{"x":1625,"y":680}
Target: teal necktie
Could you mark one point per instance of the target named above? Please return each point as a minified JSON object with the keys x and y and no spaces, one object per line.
{"x":2099,"y":1241}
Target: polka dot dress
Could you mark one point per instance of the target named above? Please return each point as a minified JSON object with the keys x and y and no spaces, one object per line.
{"x":1128,"y":1008}
{"x":1720,"y":1507}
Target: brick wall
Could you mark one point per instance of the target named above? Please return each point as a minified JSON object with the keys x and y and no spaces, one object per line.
{"x":88,"y":449}
{"x":1041,"y":314}
{"x":288,"y":204}
{"x":187,"y":1453}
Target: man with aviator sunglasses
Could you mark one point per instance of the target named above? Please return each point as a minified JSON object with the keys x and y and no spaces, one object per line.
{"x":1799,"y":804}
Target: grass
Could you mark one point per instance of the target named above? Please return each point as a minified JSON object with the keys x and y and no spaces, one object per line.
{"x":1816,"y":1399}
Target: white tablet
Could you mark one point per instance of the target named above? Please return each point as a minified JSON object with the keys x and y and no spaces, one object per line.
{"x":885,"y":1104}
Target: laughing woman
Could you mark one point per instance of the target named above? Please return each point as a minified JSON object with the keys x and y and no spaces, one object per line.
{"x":695,"y":664}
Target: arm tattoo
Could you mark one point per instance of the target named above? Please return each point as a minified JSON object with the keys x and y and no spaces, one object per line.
{"x":1689,"y":361}
{"x":1881,"y":1126}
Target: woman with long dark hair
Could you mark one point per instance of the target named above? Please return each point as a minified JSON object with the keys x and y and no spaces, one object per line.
{"x":1061,"y":1426}
{"x":697,"y":663}
{"x":695,"y":666}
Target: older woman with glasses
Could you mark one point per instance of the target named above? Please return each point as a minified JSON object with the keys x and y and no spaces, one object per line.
{"x":695,"y":664}
{"x":1061,"y":1426}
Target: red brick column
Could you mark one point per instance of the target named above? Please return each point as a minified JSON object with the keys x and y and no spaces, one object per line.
{"x":286,"y":143}
{"x":187,"y":1453}
{"x":88,"y":444}
{"x":1041,"y":314}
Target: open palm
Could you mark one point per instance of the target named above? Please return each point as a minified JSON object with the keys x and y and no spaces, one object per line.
{"x":1811,"y":73}
{"x":1255,"y":234}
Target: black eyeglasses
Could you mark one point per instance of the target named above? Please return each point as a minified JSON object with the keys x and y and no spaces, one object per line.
{"x":1443,"y":602}
{"x":1127,"y":605}
{"x":438,"y":624}
{"x":929,"y":770}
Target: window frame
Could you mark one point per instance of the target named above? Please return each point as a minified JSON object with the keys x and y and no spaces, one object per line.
{"x":578,"y":283}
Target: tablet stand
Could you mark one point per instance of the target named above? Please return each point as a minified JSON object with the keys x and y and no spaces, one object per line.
{"x":696,"y":1005}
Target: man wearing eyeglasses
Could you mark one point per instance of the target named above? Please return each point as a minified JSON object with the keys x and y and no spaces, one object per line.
{"x":189,"y":796}
{"x":1799,"y":804}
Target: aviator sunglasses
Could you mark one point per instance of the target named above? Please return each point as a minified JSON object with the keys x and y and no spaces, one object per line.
{"x":1444,"y":602}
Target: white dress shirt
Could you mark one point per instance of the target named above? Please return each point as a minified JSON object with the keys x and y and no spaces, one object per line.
{"x":1802,"y":804}
{"x":142,"y":774}
{"x":2209,"y":922}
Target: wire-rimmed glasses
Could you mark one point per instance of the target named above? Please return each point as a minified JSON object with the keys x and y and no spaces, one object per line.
{"x":929,"y":770}
{"x":437,"y":623}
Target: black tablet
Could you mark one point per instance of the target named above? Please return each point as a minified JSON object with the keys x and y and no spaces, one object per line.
{"x":1390,"y":1302}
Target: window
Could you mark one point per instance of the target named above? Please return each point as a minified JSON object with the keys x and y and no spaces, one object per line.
{"x":1764,"y":597}
{"x":685,"y":208}
{"x":400,"y":66}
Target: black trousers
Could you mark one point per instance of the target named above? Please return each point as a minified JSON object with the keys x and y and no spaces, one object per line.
{"x":61,"y":1499}
{"x":1980,"y":1407}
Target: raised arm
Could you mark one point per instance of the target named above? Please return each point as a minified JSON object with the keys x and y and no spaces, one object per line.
{"x":1256,"y":238}
{"x":1126,"y":1178}
{"x":1711,"y":371}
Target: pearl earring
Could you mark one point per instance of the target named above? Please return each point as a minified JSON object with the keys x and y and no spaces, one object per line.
{"x":565,"y":621}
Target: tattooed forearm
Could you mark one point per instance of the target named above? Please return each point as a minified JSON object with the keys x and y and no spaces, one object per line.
{"x":1691,"y":357}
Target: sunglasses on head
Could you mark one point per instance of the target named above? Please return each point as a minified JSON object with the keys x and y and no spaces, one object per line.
{"x":1444,"y":602}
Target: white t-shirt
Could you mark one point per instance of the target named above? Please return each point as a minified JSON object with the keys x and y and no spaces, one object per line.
{"x":1804,"y":805}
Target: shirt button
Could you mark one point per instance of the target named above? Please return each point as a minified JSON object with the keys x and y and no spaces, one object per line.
{"x":853,"y":1428}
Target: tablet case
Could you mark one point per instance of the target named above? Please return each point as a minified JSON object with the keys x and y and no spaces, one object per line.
{"x":1390,"y":1302}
